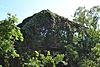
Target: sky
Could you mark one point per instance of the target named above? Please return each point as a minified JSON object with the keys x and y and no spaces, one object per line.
{"x":26,"y":8}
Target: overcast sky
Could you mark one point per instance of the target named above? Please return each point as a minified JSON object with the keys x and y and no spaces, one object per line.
{"x":26,"y":8}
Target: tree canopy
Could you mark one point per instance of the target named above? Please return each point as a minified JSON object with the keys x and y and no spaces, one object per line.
{"x":51,"y":40}
{"x":9,"y":33}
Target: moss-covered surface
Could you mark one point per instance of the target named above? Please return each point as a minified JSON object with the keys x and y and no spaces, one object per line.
{"x":46,"y":30}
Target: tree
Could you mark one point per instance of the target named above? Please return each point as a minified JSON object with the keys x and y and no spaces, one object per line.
{"x":9,"y":33}
{"x":87,"y":38}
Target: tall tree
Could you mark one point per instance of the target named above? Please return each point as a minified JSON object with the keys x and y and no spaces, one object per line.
{"x":87,"y":38}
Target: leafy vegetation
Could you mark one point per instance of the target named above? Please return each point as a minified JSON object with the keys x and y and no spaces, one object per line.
{"x":51,"y":40}
{"x":89,"y":36}
{"x":9,"y":33}
{"x":41,"y":60}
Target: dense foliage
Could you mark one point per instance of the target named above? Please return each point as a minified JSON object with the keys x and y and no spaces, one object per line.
{"x":51,"y":40}
{"x":88,"y":38}
{"x":9,"y":33}
{"x":41,"y":60}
